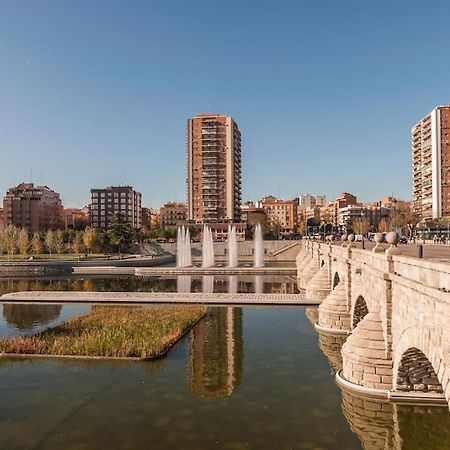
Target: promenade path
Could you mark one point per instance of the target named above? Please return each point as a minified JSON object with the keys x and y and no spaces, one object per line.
{"x":154,"y":297}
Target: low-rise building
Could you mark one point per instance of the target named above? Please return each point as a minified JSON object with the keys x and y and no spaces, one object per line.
{"x":281,"y":214}
{"x":173,"y":215}
{"x":150,"y":218}
{"x":35,"y":208}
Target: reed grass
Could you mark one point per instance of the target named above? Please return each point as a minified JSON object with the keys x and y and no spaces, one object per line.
{"x":111,"y":332}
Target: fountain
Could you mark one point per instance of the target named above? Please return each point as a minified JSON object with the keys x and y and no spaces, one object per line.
{"x":184,"y":257}
{"x":208,"y":284}
{"x":232,"y":247}
{"x":207,"y":248}
{"x":232,"y":284}
{"x":258,"y":256}
{"x":184,"y":284}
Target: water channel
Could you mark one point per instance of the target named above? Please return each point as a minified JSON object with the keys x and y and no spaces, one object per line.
{"x":244,"y":378}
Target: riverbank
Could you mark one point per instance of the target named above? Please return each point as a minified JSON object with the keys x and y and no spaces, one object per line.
{"x":110,"y":332}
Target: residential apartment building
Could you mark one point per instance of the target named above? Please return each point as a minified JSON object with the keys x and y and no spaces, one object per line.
{"x":431,"y":164}
{"x":281,"y":214}
{"x":308,"y":200}
{"x":36,"y":208}
{"x":150,"y":218}
{"x":213,"y":169}
{"x":172,"y":215}
{"x":112,"y":200}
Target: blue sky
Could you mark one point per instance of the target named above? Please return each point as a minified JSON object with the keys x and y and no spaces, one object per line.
{"x":94,"y":93}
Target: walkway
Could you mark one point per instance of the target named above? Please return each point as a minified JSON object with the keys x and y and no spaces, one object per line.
{"x":154,"y":297}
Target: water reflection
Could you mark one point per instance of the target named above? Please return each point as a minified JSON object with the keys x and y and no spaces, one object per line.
{"x":27,"y":317}
{"x":184,"y":284}
{"x":384,"y":425}
{"x":331,"y":346}
{"x":128,"y":283}
{"x":216,"y":353}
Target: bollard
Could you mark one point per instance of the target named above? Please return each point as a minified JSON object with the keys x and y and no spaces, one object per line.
{"x":363,"y":247}
{"x":420,"y":251}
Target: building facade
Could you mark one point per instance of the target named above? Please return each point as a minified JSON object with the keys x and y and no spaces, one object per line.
{"x":431,"y":164}
{"x":172,"y":215}
{"x":35,"y":208}
{"x":281,"y":214}
{"x":113,"y":200}
{"x":213,"y":169}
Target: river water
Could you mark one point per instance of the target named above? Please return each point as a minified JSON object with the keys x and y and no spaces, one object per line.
{"x":244,"y":378}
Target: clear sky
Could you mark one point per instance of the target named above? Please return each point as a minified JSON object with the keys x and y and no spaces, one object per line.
{"x":94,"y":93}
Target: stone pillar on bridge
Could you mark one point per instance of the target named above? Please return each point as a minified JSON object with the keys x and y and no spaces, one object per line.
{"x":367,"y":361}
{"x":334,"y":311}
{"x":309,"y":270}
{"x":319,"y":287}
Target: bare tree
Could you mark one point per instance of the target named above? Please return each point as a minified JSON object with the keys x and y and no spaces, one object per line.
{"x":361,"y":226}
{"x":11,"y":238}
{"x":384,"y":225}
{"x":36,"y":244}
{"x":89,"y":238}
{"x":50,"y":241}
{"x":23,"y":241}
{"x":77,"y":244}
{"x":59,"y":241}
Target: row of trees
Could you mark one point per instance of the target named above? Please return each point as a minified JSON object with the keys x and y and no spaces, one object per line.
{"x":119,"y":235}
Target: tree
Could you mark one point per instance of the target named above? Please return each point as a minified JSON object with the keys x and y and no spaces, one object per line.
{"x":23,"y":241}
{"x":36,"y":244}
{"x":11,"y":235}
{"x":361,"y":226}
{"x":89,"y":239}
{"x":50,"y":241}
{"x":384,"y":225}
{"x":59,"y":241}
{"x":120,"y":232}
{"x":77,"y":244}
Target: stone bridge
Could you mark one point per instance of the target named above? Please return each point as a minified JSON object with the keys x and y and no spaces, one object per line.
{"x":389,"y":316}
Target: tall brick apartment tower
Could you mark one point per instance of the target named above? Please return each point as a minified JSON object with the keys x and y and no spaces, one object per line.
{"x":431,"y":164}
{"x":213,"y":169}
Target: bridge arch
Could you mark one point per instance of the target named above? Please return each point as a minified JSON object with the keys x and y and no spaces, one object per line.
{"x":336,"y":279}
{"x":416,"y":373}
{"x":360,"y":310}
{"x":418,"y":363}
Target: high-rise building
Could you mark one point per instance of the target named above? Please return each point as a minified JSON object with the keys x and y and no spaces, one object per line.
{"x":213,"y":169}
{"x":309,"y":201}
{"x":112,"y":200}
{"x":36,"y":208}
{"x":431,"y":164}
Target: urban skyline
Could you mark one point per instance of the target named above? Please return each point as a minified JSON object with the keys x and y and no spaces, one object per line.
{"x":344,"y":105}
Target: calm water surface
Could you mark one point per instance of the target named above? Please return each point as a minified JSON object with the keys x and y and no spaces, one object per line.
{"x":244,"y":378}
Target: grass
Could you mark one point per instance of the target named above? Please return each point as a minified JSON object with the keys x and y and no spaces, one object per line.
{"x":111,"y":332}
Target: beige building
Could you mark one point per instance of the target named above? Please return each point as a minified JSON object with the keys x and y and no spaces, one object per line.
{"x":281,"y":214}
{"x":172,"y":215}
{"x":431,"y":164}
{"x":213,"y":169}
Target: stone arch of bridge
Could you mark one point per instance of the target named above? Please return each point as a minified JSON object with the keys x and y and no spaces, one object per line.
{"x":418,"y":364}
{"x":359,"y":310}
{"x":336,"y":279}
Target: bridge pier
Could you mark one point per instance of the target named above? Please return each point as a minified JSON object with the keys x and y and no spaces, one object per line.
{"x":318,"y":287}
{"x":366,"y":360}
{"x":334,"y":313}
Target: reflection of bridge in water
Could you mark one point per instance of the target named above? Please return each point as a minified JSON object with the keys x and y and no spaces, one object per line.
{"x":216,"y":353}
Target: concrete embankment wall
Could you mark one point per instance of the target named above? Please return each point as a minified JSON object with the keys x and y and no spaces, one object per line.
{"x":32,"y":268}
{"x":273,"y":250}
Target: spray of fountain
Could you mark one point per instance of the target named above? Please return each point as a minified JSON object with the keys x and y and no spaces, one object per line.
{"x":184,"y":256}
{"x":258,"y":257}
{"x":232,"y":247}
{"x":207,"y":248}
